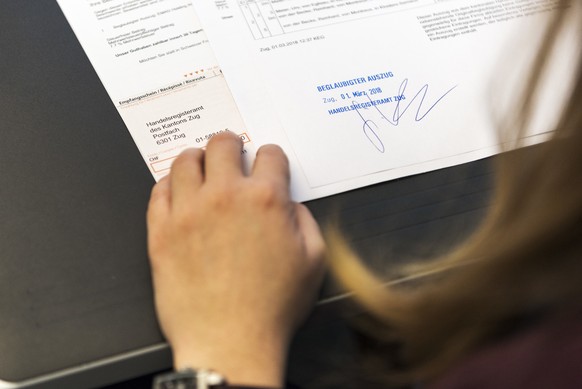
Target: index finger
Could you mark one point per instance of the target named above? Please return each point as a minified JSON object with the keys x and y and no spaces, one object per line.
{"x":272,"y":164}
{"x":186,"y":176}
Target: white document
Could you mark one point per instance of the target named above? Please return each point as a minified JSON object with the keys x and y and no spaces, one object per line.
{"x":156,"y":64}
{"x":359,"y":92}
{"x":356,"y":92}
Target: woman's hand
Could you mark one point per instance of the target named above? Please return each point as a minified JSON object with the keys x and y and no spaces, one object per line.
{"x":236,"y":264}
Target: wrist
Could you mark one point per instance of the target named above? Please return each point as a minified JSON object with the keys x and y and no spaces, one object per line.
{"x":242,"y":363}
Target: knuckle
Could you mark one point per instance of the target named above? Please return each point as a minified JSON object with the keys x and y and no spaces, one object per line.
{"x":185,"y":158}
{"x":179,"y":163}
{"x":265,"y":194}
{"x":222,"y":196}
{"x":157,"y":194}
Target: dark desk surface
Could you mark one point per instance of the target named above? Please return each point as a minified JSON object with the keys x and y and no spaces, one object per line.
{"x":75,"y":297}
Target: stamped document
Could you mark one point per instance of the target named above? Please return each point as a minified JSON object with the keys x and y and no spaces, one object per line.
{"x":156,"y":64}
{"x":356,"y":92}
{"x":371,"y":90}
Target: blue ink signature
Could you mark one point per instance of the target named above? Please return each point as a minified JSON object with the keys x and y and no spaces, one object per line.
{"x":370,"y":128}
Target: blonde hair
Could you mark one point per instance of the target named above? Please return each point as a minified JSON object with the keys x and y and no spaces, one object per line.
{"x":526,"y":255}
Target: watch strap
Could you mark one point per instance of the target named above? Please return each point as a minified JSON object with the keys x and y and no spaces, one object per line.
{"x":190,"y":379}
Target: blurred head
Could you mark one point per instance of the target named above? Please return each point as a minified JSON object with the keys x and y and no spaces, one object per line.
{"x":525,"y":257}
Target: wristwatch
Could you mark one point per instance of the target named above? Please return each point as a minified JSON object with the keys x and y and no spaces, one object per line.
{"x":190,"y":379}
